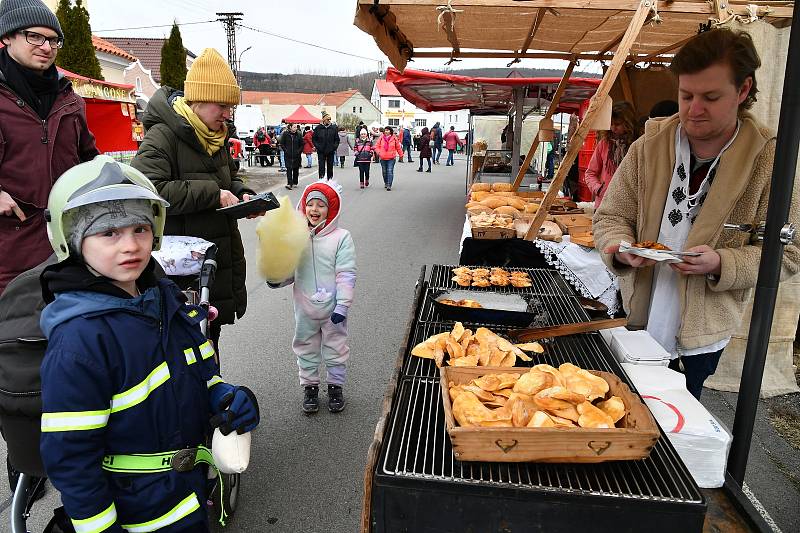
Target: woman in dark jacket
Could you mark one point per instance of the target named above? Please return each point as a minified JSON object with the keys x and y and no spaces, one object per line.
{"x":292,"y":145}
{"x":184,"y":155}
{"x":424,"y":149}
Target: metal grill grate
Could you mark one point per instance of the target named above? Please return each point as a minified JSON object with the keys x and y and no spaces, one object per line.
{"x":551,"y":309}
{"x":544,"y":281}
{"x":417,"y":446}
{"x":589,"y":348}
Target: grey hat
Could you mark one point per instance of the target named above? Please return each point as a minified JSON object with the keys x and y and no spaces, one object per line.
{"x":21,"y":14}
{"x":317,"y":195}
{"x":100,"y":217}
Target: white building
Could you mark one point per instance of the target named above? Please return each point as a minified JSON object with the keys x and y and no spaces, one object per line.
{"x":396,"y":111}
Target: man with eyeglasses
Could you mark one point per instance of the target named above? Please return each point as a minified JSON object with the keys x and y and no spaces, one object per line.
{"x":43,"y":131}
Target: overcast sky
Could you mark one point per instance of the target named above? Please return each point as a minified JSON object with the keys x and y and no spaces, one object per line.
{"x":327,"y":23}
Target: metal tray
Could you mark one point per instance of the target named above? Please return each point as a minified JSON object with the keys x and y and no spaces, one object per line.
{"x":497,"y":308}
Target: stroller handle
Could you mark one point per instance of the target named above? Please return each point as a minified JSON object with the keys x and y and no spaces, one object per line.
{"x":209,"y":268}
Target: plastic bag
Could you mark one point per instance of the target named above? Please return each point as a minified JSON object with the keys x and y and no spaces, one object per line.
{"x":231,"y":452}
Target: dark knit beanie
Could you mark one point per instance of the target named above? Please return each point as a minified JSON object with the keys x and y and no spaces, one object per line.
{"x":22,"y":14}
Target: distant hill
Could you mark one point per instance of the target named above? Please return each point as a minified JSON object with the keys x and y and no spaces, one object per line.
{"x":318,"y":83}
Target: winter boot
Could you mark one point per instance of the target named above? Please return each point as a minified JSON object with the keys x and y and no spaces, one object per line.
{"x":336,"y":401}
{"x":311,"y":399}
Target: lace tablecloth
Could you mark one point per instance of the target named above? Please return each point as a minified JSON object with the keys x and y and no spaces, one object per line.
{"x":583,"y":269}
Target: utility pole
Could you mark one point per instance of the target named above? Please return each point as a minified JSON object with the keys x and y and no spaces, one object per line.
{"x":229,"y":20}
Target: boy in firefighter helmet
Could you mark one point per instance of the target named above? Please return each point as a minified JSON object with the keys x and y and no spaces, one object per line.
{"x":130,"y":386}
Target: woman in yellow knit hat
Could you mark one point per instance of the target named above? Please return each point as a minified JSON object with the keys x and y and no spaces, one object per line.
{"x":184,"y":153}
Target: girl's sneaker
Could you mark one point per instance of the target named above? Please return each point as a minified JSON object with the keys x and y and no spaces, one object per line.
{"x":336,"y":400}
{"x":311,"y":399}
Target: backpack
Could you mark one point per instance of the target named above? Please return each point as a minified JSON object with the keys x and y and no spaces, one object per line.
{"x":261,"y":136}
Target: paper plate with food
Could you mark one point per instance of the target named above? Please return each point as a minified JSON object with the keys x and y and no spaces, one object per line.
{"x":655,"y":251}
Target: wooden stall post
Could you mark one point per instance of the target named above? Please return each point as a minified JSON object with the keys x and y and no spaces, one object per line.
{"x":562,"y":86}
{"x":638,"y":20}
{"x":519,"y":103}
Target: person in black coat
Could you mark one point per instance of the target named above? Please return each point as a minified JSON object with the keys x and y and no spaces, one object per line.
{"x":326,"y":140}
{"x":292,"y":145}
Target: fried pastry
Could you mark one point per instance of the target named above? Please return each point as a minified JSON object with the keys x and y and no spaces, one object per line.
{"x":458,"y":271}
{"x":520,"y":282}
{"x":540,"y":419}
{"x":533,"y":382}
{"x":651,"y":245}
{"x":480,"y":272}
{"x":499,"y":281}
{"x":592,"y":417}
{"x":463,"y":280}
{"x":613,"y":407}
{"x":481,"y":282}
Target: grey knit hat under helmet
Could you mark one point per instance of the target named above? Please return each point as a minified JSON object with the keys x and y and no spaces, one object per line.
{"x":21,"y":14}
{"x":100,"y":217}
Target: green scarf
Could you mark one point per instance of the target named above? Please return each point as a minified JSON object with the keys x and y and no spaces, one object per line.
{"x":211,"y":141}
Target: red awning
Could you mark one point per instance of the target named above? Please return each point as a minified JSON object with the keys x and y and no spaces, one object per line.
{"x":433,"y":91}
{"x":302,"y":116}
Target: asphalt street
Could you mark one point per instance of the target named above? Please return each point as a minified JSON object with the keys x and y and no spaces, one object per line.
{"x":306,"y":472}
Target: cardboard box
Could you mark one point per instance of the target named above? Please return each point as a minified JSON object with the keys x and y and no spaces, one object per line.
{"x":493,"y":233}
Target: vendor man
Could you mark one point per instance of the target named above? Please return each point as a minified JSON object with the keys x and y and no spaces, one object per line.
{"x":679,"y":183}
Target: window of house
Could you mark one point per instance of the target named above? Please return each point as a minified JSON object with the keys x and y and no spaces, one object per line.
{"x":354,"y":109}
{"x":394,"y":122}
{"x":359,"y":109}
{"x":138,"y":84}
{"x":394,"y":103}
{"x":421,"y":122}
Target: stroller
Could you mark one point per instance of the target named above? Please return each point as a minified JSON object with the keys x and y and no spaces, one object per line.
{"x":22,"y":348}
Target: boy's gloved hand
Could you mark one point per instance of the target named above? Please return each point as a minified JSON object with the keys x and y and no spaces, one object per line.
{"x":336,"y":318}
{"x":235,"y":408}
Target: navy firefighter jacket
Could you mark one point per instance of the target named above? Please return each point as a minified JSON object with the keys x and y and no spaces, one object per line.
{"x":125,"y":376}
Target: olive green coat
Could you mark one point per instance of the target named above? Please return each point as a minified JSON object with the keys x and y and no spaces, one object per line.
{"x":191,"y":180}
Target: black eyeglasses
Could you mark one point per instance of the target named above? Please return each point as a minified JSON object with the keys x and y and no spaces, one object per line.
{"x":37,"y":39}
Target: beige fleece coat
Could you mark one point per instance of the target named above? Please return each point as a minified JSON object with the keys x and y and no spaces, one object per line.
{"x":633,"y":207}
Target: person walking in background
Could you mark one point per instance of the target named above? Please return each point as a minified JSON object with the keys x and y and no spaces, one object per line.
{"x":424,"y":149}
{"x":326,"y":141}
{"x":184,"y":155}
{"x":388,"y":148}
{"x":407,"y":143}
{"x":262,"y":143}
{"x":363,"y":155}
{"x":292,"y":145}
{"x":451,"y":142}
{"x":610,"y":150}
{"x":376,"y":134}
{"x":308,"y":146}
{"x":278,"y":132}
{"x":324,"y":284}
{"x":361,"y":126}
{"x":343,"y":150}
{"x":44,"y":131}
{"x":436,"y":137}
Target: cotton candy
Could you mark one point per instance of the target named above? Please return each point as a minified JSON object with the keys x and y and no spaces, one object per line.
{"x":283,"y":236}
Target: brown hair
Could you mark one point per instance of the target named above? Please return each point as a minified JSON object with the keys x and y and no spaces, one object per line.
{"x":721,"y":45}
{"x":623,"y":112}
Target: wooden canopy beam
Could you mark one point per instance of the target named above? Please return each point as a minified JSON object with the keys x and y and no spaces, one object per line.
{"x":665,"y":50}
{"x":566,"y":56}
{"x":537,"y":21}
{"x":562,"y":86}
{"x":701,"y":7}
{"x":635,"y":26}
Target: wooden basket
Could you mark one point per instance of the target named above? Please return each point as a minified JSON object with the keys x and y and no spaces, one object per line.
{"x":634,"y":437}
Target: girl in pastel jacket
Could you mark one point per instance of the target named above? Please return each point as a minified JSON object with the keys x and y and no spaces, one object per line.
{"x":324,"y":283}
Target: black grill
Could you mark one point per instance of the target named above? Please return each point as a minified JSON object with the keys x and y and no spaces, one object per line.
{"x":419,"y":485}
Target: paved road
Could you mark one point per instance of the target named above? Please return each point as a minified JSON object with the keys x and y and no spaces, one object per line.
{"x":306,"y":472}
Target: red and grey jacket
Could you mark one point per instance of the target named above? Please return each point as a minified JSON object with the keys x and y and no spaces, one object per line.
{"x":33,"y":154}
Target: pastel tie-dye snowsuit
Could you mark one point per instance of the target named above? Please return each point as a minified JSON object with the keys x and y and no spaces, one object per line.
{"x":324,"y":283}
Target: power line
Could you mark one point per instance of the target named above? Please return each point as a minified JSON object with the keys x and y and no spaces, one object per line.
{"x":309,"y":44}
{"x":156,"y":26}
